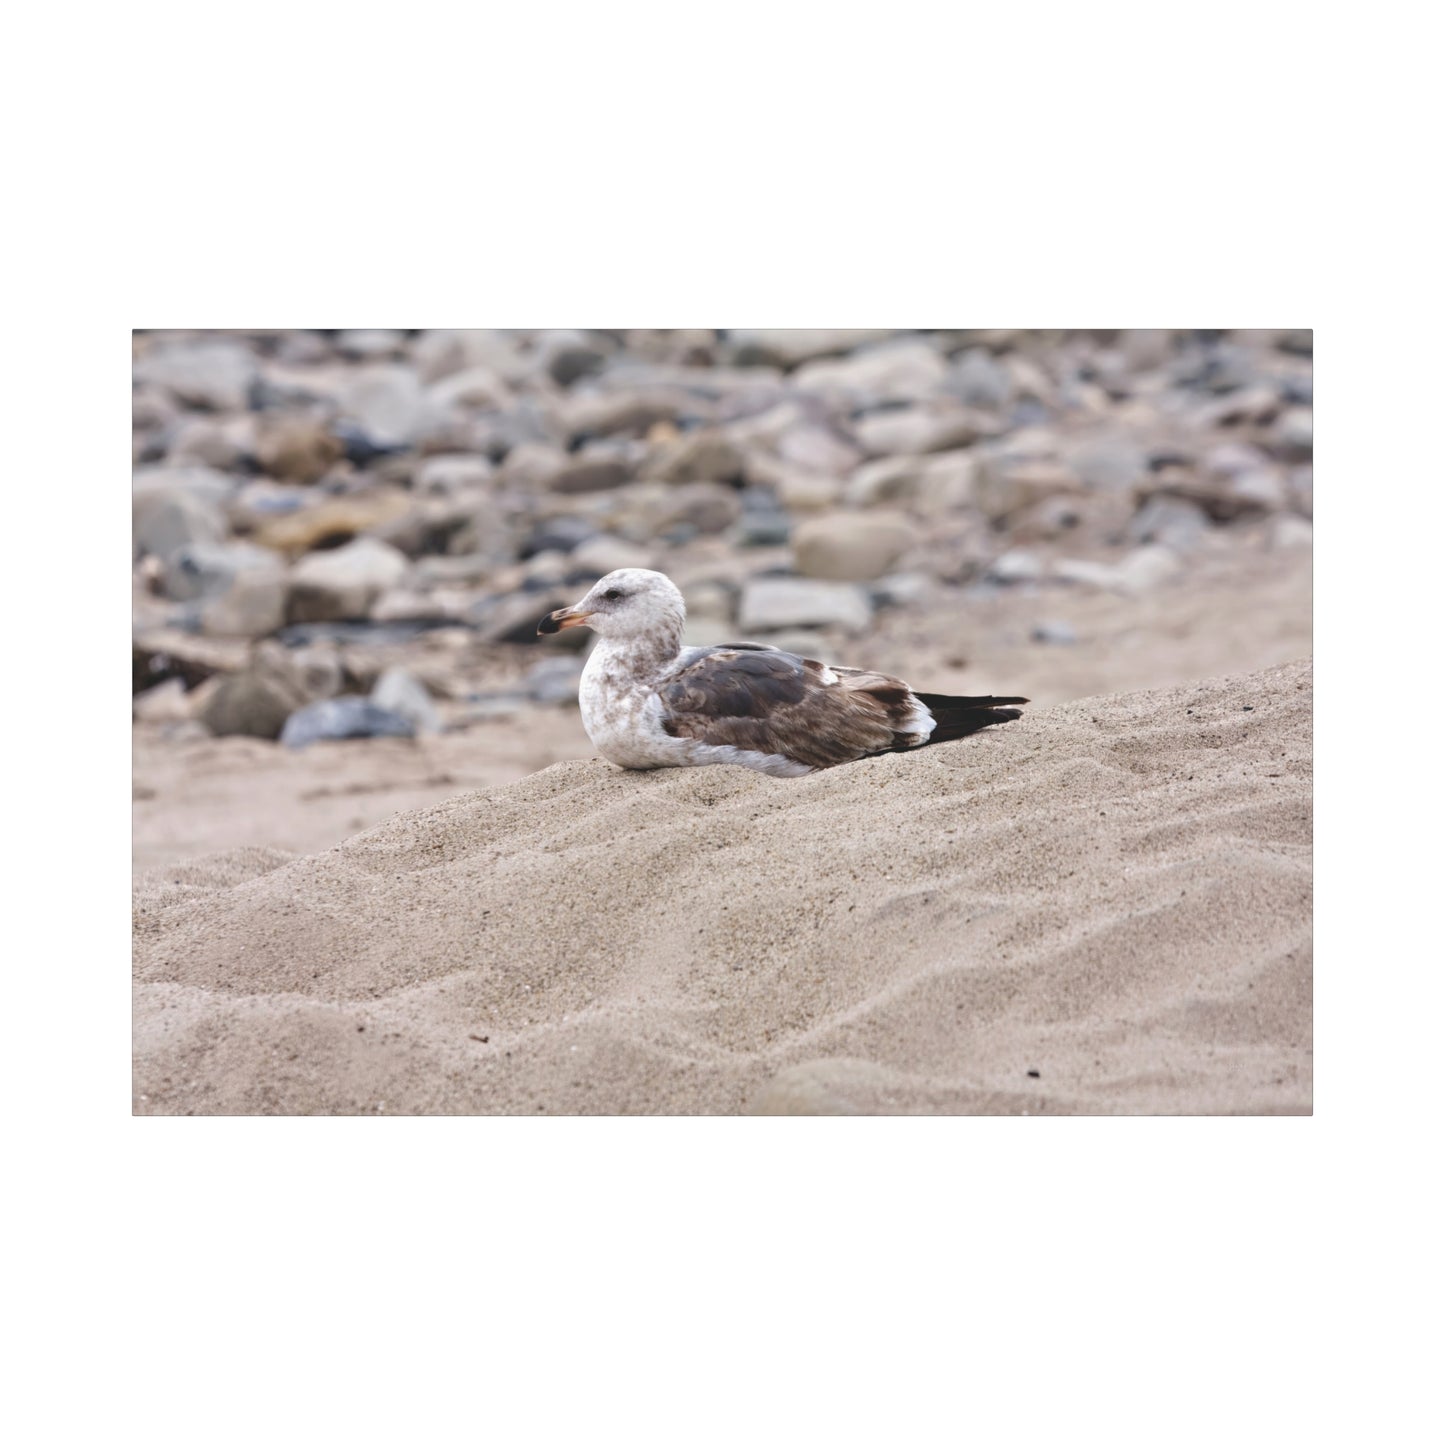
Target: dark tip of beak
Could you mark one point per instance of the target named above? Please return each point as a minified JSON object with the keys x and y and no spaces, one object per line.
{"x":549,"y":624}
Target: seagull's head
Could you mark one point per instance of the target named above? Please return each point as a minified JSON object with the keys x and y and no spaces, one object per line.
{"x":629,"y":603}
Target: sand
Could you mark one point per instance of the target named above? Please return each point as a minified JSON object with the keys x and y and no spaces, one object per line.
{"x":1101,"y":909}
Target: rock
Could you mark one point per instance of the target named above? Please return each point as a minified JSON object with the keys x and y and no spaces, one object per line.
{"x":1257,"y":404}
{"x":1145,"y":567}
{"x":1295,"y":431}
{"x":342,"y":584}
{"x":554,"y":680}
{"x":712,"y":599}
{"x":336,"y":519}
{"x":605,"y":553}
{"x":533,"y":465}
{"x":256,"y":701}
{"x":792,"y":346}
{"x":701,"y":456}
{"x":1264,"y":490}
{"x":1054,"y":634}
{"x":253,"y":605}
{"x":851,"y":546}
{"x":225,"y":443}
{"x":205,"y":483}
{"x":207,"y":569}
{"x":162,"y":523}
{"x":1010,"y":484}
{"x":903,"y":589}
{"x":770,"y":527}
{"x":895,"y":371}
{"x":1146,"y":349}
{"x":400,"y":692}
{"x":1173,"y":521}
{"x":818,"y":449}
{"x":371,"y":345}
{"x":589,"y":474}
{"x":919,"y":429}
{"x":546,"y":569}
{"x":299,"y":450}
{"x":361,"y":447}
{"x":1086,"y":573}
{"x":169,"y":702}
{"x":1016,"y":566}
{"x":558,"y":534}
{"x":337,"y":718}
{"x":1109,"y":464}
{"x":453,"y":472}
{"x":320,"y":668}
{"x":942,"y":482}
{"x":648,"y":510}
{"x":634,"y":412}
{"x":438,"y":354}
{"x":771,"y":603}
{"x":386,"y":402}
{"x":478,"y":386}
{"x":403,"y":605}
{"x":976,"y":379}
{"x":804,"y":491}
{"x":567,"y":356}
{"x":214,"y":374}
{"x":1288,"y":531}
{"x":1302,"y":490}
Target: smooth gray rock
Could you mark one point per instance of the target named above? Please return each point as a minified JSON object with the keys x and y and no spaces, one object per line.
{"x":162,"y":523}
{"x":256,"y":701}
{"x":254,"y":605}
{"x":1015,"y":566}
{"x":337,"y":718}
{"x":554,"y":680}
{"x":207,"y":569}
{"x":386,"y":402}
{"x":1054,"y":634}
{"x":214,"y":374}
{"x":401,"y":692}
{"x":772,"y":603}
{"x":976,"y":379}
{"x":340,"y":584}
{"x":1175,"y":522}
{"x":851,"y":546}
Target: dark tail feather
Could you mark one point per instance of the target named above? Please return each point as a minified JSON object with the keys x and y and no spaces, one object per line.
{"x":957,"y":717}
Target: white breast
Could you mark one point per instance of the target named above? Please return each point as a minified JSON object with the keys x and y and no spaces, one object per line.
{"x":623,"y":717}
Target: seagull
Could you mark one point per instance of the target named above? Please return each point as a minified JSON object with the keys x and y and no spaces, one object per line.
{"x":649,"y":702}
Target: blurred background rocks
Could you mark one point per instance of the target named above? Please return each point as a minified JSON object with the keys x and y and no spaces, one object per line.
{"x":343,"y":540}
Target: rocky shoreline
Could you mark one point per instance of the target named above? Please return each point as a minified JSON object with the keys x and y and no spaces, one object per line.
{"x":352,"y":534}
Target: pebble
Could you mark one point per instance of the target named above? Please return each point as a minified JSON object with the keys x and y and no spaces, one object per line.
{"x":341,"y":584}
{"x":1017,"y":565}
{"x":554,"y":680}
{"x":851,"y":546}
{"x":771,"y":603}
{"x":1054,"y":634}
{"x":337,"y":718}
{"x":402,"y":693}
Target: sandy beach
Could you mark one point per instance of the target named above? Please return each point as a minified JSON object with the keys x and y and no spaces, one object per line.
{"x":380,"y":869}
{"x":1104,"y":908}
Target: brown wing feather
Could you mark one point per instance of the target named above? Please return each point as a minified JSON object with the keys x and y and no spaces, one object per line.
{"x":776,"y":702}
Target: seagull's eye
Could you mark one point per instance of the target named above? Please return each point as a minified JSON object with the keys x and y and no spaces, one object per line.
{"x":612,"y":594}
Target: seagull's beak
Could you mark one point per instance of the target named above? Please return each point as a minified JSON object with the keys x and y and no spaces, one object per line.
{"x":562,"y":619}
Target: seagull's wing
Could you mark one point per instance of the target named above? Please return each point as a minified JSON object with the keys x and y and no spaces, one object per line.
{"x":767,"y":701}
